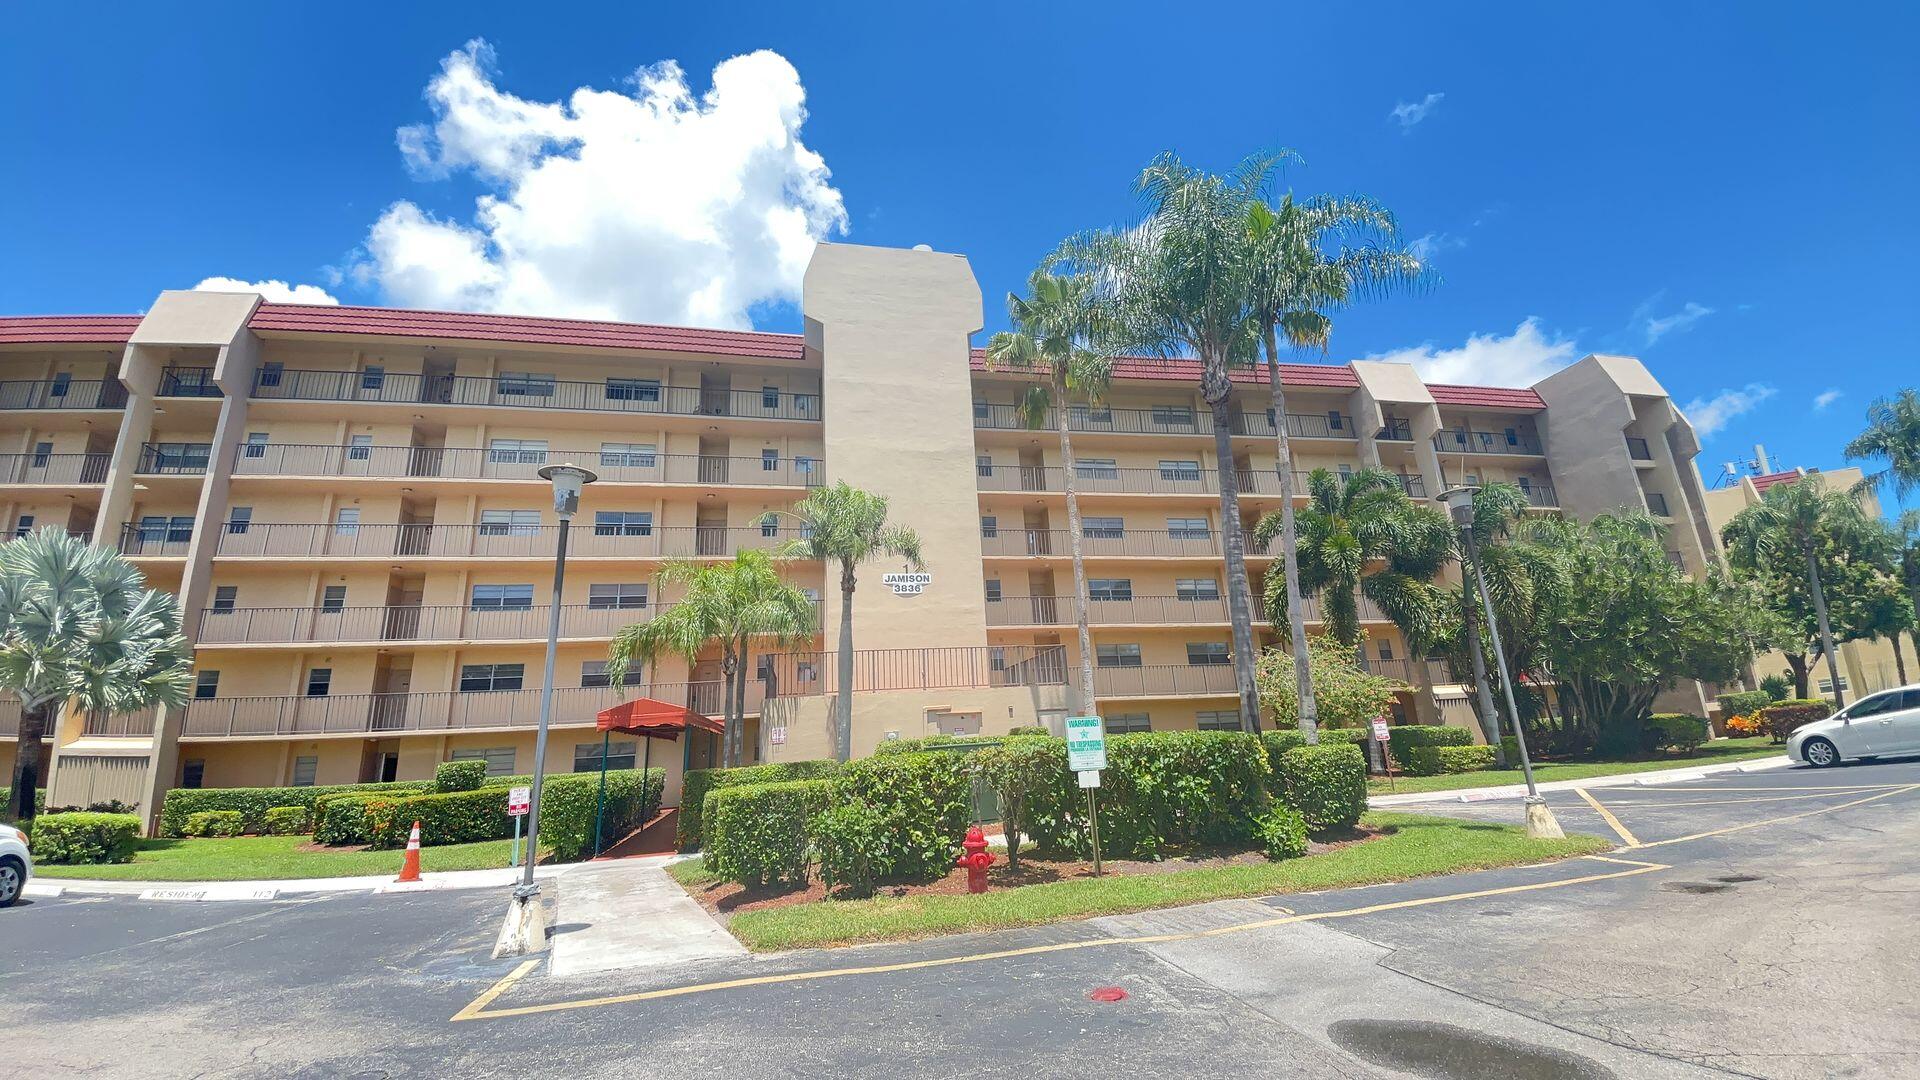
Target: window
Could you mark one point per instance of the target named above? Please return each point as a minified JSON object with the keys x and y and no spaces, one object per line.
{"x":1196,"y":588}
{"x":629,"y":455}
{"x":22,"y":526}
{"x":1335,"y":422}
{"x":1826,"y":686}
{"x":1346,"y":472}
{"x":333,"y":598}
{"x":1525,"y":483}
{"x":611,"y":597}
{"x":501,"y":598}
{"x":1096,"y":468}
{"x":1875,"y":705}
{"x":193,"y":772}
{"x":769,"y":524}
{"x":1657,"y":503}
{"x":1128,"y":723}
{"x":981,"y":409}
{"x":270,"y":374}
{"x":305,"y":768}
{"x":1103,"y":528}
{"x":620,"y":755}
{"x":509,"y":522}
{"x":346,"y":521}
{"x":527,"y":384}
{"x":42,"y":454}
{"x":763,"y":667}
{"x":623,"y":523}
{"x":1217,"y":720}
{"x":238,"y":519}
{"x":1207,"y":653}
{"x":989,"y":526}
{"x":256,"y":446}
{"x":1385,"y":649}
{"x":983,"y":464}
{"x":1117,"y":655}
{"x":181,"y":457}
{"x":1187,"y":529}
{"x":997,"y":658}
{"x":319,"y":681}
{"x":206,"y":684}
{"x":1179,"y":470}
{"x":359,"y":447}
{"x":1513,"y":437}
{"x":769,"y":397}
{"x":61,"y":382}
{"x":373,"y":377}
{"x":769,"y":461}
{"x":805,"y":672}
{"x":478,"y":678}
{"x":803,"y":464}
{"x":225,"y":598}
{"x":1180,"y":416}
{"x":1085,"y":415}
{"x":632,"y":389}
{"x":993,"y":589}
{"x":499,"y":759}
{"x":593,"y":673}
{"x":1109,"y":588}
{"x":517,"y":451}
{"x":159,"y":528}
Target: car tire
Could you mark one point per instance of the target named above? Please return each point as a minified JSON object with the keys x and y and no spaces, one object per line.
{"x":13,"y":877}
{"x":1820,"y":753}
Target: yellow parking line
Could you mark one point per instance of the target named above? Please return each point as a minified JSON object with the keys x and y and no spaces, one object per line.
{"x":1732,"y":802}
{"x":1606,"y":815}
{"x":1780,"y":820}
{"x":478,"y":1009}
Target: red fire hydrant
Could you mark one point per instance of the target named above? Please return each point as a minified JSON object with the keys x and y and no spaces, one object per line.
{"x":976,"y":860}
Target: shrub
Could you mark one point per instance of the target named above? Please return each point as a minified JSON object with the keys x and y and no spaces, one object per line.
{"x":758,"y":833}
{"x":215,"y":823}
{"x":1677,"y":731}
{"x":1439,"y":760}
{"x":1776,"y":687}
{"x":39,"y":799}
{"x":465,"y":775}
{"x":1181,"y":788}
{"x":288,"y":820}
{"x":1326,"y":784}
{"x":83,"y":837}
{"x":1284,"y":739}
{"x":1405,"y":742}
{"x":341,"y":818}
{"x":1746,"y":725}
{"x":253,"y":803}
{"x":1743,"y":703}
{"x":1022,"y":771}
{"x":567,"y":808}
{"x":921,"y":803}
{"x":1511,"y":747}
{"x":1282,"y":833}
{"x":455,"y":817}
{"x":1782,"y":718}
{"x":695,"y":785}
{"x":929,"y":742}
{"x":1029,"y":729}
{"x":849,"y":838}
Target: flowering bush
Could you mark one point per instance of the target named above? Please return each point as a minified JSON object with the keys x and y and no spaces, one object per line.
{"x":1745,"y":726}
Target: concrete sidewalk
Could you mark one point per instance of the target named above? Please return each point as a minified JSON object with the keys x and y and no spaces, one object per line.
{"x":630,"y":914}
{"x":1641,"y":779}
{"x":48,"y":888}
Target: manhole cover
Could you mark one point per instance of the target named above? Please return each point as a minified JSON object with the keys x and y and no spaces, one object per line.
{"x":1695,"y":887}
{"x":1446,"y":1052}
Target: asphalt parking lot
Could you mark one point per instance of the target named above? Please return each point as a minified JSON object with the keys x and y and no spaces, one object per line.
{"x":1754,"y":924}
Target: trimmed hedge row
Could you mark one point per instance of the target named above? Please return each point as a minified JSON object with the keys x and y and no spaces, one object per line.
{"x":467,"y":775}
{"x":289,"y":821}
{"x":459,"y":817}
{"x":253,"y":803}
{"x":1783,"y":718}
{"x":82,"y":837}
{"x":759,"y":833}
{"x":695,"y":785}
{"x":1743,"y":703}
{"x":1408,"y":741}
{"x":214,"y":823}
{"x":1327,"y":784}
{"x":1439,"y":760}
{"x":1674,"y":731}
{"x":453,"y":817}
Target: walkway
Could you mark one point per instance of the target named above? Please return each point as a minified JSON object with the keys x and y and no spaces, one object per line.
{"x":630,"y":914}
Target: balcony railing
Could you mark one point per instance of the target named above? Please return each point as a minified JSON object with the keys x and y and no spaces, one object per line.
{"x":1637,"y":449}
{"x":155,"y":542}
{"x":1167,"y":421}
{"x":493,"y":541}
{"x":1099,"y":479}
{"x":62,"y":394}
{"x":1098,"y":543}
{"x":466,"y":463}
{"x":399,"y":622}
{"x":809,"y":673}
{"x":344,"y":714}
{"x":188,"y":460}
{"x":1396,"y":429}
{"x":133,"y":725}
{"x":1541,"y":495}
{"x":1155,"y":680}
{"x":1461,"y":441}
{"x":9,"y":717}
{"x":188,"y":382}
{"x":54,"y":468}
{"x":1140,"y":611}
{"x":614,"y":394}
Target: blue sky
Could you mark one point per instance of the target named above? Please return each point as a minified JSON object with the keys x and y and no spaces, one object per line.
{"x":1723,"y":190}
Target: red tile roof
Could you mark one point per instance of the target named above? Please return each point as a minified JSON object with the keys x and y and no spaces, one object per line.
{"x":1337,"y":376}
{"x":1498,"y":397}
{"x":67,"y":329}
{"x":1762,"y":483}
{"x":471,"y":326}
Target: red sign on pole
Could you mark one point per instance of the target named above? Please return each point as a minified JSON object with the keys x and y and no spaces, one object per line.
{"x":1380,"y":730}
{"x":517,"y":800}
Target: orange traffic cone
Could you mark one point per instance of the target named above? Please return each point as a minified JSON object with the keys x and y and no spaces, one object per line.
{"x":410,"y":870}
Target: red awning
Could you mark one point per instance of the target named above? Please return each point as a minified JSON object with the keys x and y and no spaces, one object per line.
{"x":654,"y":719}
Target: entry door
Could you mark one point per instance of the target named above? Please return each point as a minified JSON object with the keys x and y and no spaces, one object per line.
{"x":389,"y":767}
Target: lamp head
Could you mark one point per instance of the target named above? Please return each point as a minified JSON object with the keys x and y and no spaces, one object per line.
{"x":1459,"y":504}
{"x":567,"y":479}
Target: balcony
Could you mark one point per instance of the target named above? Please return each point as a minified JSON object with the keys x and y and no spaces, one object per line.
{"x":187,"y":382}
{"x":173,"y":459}
{"x":416,"y":623}
{"x":1099,"y":543}
{"x":254,"y":539}
{"x":1541,"y":495}
{"x":1141,"y":611}
{"x":62,"y":393}
{"x":384,"y":714}
{"x":465,"y":463}
{"x":1637,"y":449}
{"x":1463,"y":441}
{"x":9,"y":717}
{"x":534,"y":391}
{"x":807,"y":674}
{"x":1164,"y":680}
{"x":1107,"y":480}
{"x":163,"y":541}
{"x":1179,"y":420}
{"x":54,"y":468}
{"x":1395,"y":429}
{"x":133,"y":725}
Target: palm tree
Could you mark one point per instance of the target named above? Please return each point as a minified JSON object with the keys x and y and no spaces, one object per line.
{"x":731,"y":603}
{"x":1055,"y":327}
{"x":78,"y":624}
{"x":1799,"y":521}
{"x":845,"y":525}
{"x":1893,"y":435}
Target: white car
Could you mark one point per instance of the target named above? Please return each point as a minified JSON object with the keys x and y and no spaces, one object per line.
{"x":16,"y":864}
{"x":1883,"y":724}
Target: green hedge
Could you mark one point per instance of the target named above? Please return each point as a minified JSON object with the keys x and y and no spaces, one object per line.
{"x":932,"y":742}
{"x":214,"y":823}
{"x":1405,"y":741}
{"x":1782,"y":718}
{"x":695,"y":785}
{"x":289,"y":821}
{"x":253,"y":803}
{"x":83,"y":837}
{"x":340,"y":817}
{"x":1161,"y":789}
{"x":1282,"y":833}
{"x":1285,"y":739}
{"x":1439,"y":760}
{"x":1743,"y":703}
{"x":1326,"y":784}
{"x":922,"y":804}
{"x":39,"y":800}
{"x":567,"y":801}
{"x":759,"y":833}
{"x":1674,"y":731}
{"x":466,"y":775}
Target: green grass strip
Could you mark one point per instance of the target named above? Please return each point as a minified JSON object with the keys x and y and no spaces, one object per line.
{"x":261,"y":858}
{"x":1715,"y":753}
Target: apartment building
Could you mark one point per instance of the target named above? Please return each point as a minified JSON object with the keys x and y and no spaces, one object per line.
{"x":345,"y":500}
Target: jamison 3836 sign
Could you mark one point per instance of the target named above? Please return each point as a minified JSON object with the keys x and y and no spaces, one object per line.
{"x":907,"y":584}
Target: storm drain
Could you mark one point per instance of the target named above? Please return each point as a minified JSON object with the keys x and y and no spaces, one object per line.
{"x":1446,"y":1052}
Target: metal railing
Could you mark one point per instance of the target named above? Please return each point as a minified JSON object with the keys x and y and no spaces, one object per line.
{"x":809,"y":673}
{"x":54,"y":468}
{"x":155,"y":461}
{"x":1396,"y":429}
{"x":1142,"y":610}
{"x":62,"y":394}
{"x":1463,"y":441}
{"x":1541,"y":495}
{"x":1179,"y":420}
{"x":1003,"y":542}
{"x":473,"y":463}
{"x":9,"y":717}
{"x":339,"y":714}
{"x":151,"y":543}
{"x":188,"y":382}
{"x":429,"y":541}
{"x":613,"y":394}
{"x":133,"y":725}
{"x":1153,"y":680}
{"x":1101,"y":479}
{"x":402,"y":622}
{"x":1637,"y":449}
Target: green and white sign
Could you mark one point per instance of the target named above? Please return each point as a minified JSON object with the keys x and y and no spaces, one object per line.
{"x":1086,"y":744}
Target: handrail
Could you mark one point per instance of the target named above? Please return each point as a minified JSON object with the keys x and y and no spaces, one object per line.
{"x":616,"y":393}
{"x":1165,"y":420}
{"x":1467,"y":441}
{"x":806,"y":674}
{"x":1101,"y":479}
{"x":155,"y":462}
{"x":62,"y":394}
{"x":188,"y":382}
{"x":1156,"y":679}
{"x":239,"y":717}
{"x":473,"y":463}
{"x":415,"y":622}
{"x":54,"y":468}
{"x":431,"y":541}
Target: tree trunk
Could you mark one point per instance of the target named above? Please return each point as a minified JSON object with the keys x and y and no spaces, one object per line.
{"x":843,"y":691}
{"x":1899,"y":660}
{"x":727,"y":725}
{"x":1079,"y":559}
{"x":1470,"y":623}
{"x":1289,"y":552}
{"x":1797,"y":665}
{"x":28,"y":770}
{"x":1826,"y":629}
{"x":1219,"y":394}
{"x":740,"y":703}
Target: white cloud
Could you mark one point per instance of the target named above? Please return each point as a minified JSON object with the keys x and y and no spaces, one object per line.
{"x":277,"y":291}
{"x":1709,"y":415}
{"x":1825,"y":398}
{"x":1409,"y":115}
{"x":1681,"y":321}
{"x":1427,"y":245}
{"x":650,"y":204}
{"x":1522,"y":358}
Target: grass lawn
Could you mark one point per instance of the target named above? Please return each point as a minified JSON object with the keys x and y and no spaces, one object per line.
{"x":1419,"y":846}
{"x":240,"y":858}
{"x":1718,"y":752}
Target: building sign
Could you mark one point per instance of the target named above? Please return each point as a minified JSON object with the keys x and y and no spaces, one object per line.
{"x":905,"y":584}
{"x":1086,"y":744}
{"x":777,"y":736}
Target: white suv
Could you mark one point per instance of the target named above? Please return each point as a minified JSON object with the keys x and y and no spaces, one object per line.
{"x":1883,"y":724}
{"x":16,"y":865}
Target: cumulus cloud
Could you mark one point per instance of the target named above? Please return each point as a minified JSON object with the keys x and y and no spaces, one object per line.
{"x":277,"y":291}
{"x":1825,"y":398}
{"x":1411,"y":114}
{"x":1657,"y":327}
{"x":649,"y":203}
{"x":1710,"y":415}
{"x":1427,"y":245}
{"x":1521,"y":358}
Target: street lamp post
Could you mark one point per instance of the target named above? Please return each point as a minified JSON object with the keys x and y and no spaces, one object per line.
{"x":1541,"y":824}
{"x":525,"y":930}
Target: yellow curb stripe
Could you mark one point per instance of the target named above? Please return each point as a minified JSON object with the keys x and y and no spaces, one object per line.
{"x":1626,"y":836}
{"x":478,"y":1004}
{"x":1623,"y":804}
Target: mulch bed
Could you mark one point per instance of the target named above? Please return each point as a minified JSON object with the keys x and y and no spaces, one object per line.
{"x":725,"y":898}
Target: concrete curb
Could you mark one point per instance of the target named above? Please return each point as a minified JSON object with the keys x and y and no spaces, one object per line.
{"x":445,"y":881}
{"x":1639,"y":779}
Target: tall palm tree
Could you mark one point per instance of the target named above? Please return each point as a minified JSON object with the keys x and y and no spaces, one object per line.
{"x":1892,"y":435}
{"x":733,"y":604}
{"x":1055,"y":327}
{"x":1800,"y":521}
{"x":845,"y":525}
{"x":78,"y":624}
